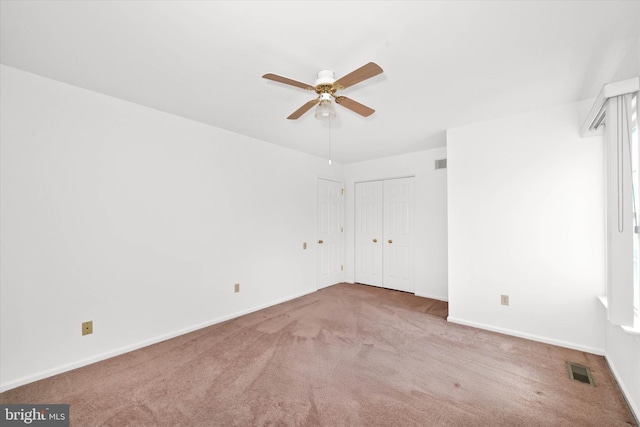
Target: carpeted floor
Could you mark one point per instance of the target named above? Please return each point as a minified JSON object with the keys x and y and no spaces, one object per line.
{"x":347,"y":355}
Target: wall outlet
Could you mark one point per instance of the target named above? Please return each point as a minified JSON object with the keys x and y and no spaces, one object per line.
{"x":236,"y":288}
{"x":87,"y":327}
{"x":304,"y":245}
{"x":504,"y":299}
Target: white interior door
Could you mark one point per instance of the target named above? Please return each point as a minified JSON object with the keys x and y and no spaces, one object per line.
{"x":329,"y":231}
{"x":369,"y":237}
{"x":398,"y":227}
{"x":384,"y":223}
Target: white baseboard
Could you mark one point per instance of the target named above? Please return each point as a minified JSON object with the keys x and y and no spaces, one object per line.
{"x":625,"y":391}
{"x":532,"y":337}
{"x":436,"y":297}
{"x":117,"y":352}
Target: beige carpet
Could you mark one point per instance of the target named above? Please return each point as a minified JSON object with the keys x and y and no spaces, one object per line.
{"x":347,"y":355}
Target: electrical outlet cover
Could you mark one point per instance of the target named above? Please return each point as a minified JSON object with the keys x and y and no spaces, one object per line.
{"x":87,"y":327}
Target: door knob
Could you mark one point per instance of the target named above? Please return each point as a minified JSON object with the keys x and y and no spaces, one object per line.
{"x":320,"y":241}
{"x":375,"y":240}
{"x":390,"y":241}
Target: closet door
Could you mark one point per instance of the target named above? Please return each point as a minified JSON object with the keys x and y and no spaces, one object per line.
{"x":384,"y":234}
{"x":369,"y":237}
{"x":398,"y":226}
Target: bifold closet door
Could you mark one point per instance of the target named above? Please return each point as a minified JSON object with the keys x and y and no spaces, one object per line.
{"x":398,"y":224}
{"x":369,"y":236}
{"x":384,"y":233}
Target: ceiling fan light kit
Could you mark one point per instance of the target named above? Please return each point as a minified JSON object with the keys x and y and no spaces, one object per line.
{"x":326,"y":87}
{"x":325,"y":109}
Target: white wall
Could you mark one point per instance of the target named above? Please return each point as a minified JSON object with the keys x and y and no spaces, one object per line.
{"x":138,"y":220}
{"x":430,"y":214}
{"x":622,"y":351}
{"x":525,"y":200}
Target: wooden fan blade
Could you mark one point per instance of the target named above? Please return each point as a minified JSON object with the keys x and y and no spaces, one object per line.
{"x":354,"y":106}
{"x":363,"y":73}
{"x":280,"y":79}
{"x":300,"y":111}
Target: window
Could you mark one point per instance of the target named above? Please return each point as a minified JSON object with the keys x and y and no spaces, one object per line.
{"x":615,"y":112}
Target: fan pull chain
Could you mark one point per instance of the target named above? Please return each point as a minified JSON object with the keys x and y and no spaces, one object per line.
{"x":329,"y":142}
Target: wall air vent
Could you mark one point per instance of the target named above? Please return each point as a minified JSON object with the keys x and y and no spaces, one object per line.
{"x":441,"y":164}
{"x":580,"y":373}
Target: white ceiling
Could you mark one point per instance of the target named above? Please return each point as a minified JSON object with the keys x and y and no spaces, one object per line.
{"x":446,"y":64}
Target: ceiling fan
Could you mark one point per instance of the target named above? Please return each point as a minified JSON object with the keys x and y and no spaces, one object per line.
{"x":326,"y":87}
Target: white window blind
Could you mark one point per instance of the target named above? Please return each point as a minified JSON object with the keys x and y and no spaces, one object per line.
{"x":620,"y":211}
{"x":612,"y":114}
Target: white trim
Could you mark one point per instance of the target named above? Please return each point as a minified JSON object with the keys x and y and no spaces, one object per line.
{"x":625,"y":391}
{"x":603,"y":300}
{"x":595,"y":117}
{"x":80,"y":363}
{"x":627,"y":329}
{"x":532,"y":337}
{"x":328,"y":178}
{"x":631,"y":330}
{"x":383,"y":179}
{"x":436,"y":297}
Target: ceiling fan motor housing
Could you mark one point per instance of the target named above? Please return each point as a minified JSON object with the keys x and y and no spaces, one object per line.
{"x":325,"y":77}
